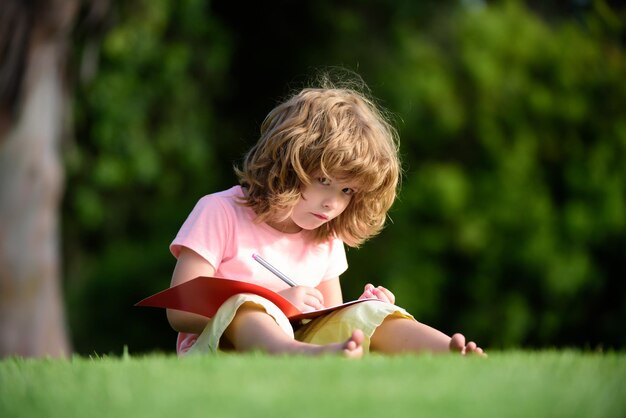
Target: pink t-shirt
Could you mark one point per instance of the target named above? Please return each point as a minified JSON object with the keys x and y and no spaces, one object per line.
{"x":224,"y":233}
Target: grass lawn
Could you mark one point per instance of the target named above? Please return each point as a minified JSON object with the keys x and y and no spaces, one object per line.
{"x":507,"y":384}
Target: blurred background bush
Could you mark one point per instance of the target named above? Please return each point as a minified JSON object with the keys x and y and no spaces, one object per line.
{"x":511,"y":222}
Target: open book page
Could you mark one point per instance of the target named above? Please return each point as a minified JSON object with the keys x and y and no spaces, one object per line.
{"x":204,"y":296}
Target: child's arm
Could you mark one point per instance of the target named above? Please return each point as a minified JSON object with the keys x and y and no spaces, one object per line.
{"x":331,"y":290}
{"x":189,"y":266}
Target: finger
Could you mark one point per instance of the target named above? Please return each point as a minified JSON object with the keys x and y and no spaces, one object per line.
{"x":390,"y":296}
{"x":306,"y":292}
{"x":367,"y":295}
{"x":378,"y":294}
{"x":369,"y":287}
{"x":383,"y":295}
{"x":311,"y":291}
{"x":313,"y":302}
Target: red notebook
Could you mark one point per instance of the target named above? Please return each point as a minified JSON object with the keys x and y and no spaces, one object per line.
{"x":204,"y":296}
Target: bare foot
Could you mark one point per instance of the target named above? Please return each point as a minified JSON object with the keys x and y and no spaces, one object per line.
{"x":352,"y":348}
{"x":457,"y":343}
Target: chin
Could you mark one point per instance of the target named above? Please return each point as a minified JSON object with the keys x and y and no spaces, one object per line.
{"x":310,"y":227}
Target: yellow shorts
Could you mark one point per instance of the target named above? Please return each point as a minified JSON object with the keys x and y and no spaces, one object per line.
{"x":334,"y":327}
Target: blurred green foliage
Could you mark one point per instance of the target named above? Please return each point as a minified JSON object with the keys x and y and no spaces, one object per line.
{"x":143,"y":154}
{"x":515,"y":198}
{"x":511,"y":221}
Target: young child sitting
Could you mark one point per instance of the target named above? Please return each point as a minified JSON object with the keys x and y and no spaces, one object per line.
{"x":324,"y":173}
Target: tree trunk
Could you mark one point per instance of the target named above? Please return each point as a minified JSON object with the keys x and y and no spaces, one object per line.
{"x":32,"y":321}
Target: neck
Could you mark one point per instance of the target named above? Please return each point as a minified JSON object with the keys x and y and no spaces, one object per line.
{"x":287,"y":226}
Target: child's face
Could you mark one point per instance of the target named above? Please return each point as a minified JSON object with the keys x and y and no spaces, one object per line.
{"x":321,"y":201}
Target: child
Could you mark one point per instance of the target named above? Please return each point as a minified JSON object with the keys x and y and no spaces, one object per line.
{"x":324,"y":172}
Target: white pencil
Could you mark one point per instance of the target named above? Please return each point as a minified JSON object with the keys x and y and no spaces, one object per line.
{"x":273,"y":269}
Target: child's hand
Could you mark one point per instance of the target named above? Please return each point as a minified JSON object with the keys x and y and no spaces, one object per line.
{"x":304,"y":298}
{"x":379,"y":293}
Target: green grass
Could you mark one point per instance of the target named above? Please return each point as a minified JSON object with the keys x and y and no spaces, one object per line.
{"x":507,"y":384}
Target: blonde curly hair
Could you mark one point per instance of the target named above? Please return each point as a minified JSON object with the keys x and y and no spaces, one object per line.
{"x":335,"y":132}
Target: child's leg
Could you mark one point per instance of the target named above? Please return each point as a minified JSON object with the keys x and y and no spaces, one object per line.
{"x":252,"y":328}
{"x":401,"y":335}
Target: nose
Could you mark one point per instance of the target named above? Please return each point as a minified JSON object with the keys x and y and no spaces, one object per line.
{"x":329,"y":202}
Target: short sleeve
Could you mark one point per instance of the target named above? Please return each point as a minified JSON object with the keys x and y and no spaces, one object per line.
{"x":338,"y":262}
{"x":207,"y":231}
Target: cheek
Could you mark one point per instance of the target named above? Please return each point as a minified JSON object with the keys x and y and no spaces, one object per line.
{"x":301,"y":206}
{"x":344,"y":204}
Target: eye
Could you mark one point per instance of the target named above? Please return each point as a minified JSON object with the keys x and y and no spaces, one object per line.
{"x":324,"y":180}
{"x":348,"y":191}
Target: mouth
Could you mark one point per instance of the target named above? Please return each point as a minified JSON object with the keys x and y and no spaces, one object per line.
{"x":321,"y":216}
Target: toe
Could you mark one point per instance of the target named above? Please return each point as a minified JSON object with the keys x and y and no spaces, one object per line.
{"x":457,"y":342}
{"x":358,"y":336}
